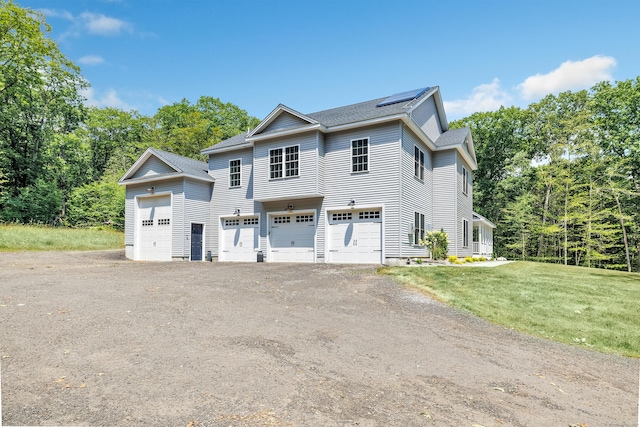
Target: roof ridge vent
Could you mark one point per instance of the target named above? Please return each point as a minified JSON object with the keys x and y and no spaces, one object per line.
{"x":402,"y":96}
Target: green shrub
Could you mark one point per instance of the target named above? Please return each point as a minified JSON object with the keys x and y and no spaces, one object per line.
{"x":437,"y":242}
{"x":419,"y":261}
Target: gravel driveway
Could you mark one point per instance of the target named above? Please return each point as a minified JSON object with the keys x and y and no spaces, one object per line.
{"x":93,"y":339}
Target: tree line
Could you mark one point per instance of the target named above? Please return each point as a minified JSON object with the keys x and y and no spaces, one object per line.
{"x":561,"y":178}
{"x":60,"y":160}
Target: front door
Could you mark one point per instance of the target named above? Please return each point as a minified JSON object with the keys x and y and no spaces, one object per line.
{"x":196,"y":242}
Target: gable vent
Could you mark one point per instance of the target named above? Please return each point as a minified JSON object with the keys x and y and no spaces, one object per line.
{"x":402,"y":96}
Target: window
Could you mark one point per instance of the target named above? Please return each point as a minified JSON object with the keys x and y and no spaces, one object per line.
{"x":164,"y":221}
{"x":369,"y":215}
{"x":234,"y":173}
{"x":231,"y":222}
{"x":281,"y":219}
{"x":465,"y":233}
{"x":147,"y":222}
{"x":360,"y":155}
{"x":284,"y":161}
{"x":418,"y":232}
{"x":418,"y":157}
{"x":341,"y":216}
{"x":250,"y":221}
{"x":291,"y":161}
{"x":275,"y":163}
{"x":304,"y":218}
{"x":465,"y":181}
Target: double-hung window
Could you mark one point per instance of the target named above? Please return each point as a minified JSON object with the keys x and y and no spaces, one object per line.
{"x":360,"y":155}
{"x":235,"y":173}
{"x":291,"y":165}
{"x":465,"y":181}
{"x":418,"y":158}
{"x":418,"y":230}
{"x":465,"y":233}
{"x":284,"y":162}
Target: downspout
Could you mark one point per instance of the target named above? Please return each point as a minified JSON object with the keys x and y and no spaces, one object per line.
{"x":400,"y":172}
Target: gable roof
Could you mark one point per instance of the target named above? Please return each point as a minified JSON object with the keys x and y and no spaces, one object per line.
{"x":339,"y":118}
{"x":480,"y":219}
{"x":182,"y":167}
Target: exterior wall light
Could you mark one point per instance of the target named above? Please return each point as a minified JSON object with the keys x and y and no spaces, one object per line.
{"x":237,"y":212}
{"x":151,"y":189}
{"x":351,"y":203}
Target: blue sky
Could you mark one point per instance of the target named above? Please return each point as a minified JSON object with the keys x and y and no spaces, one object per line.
{"x":314,"y":55}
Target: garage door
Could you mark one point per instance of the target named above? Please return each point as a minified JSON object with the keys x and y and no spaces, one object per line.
{"x":239,"y":239}
{"x":291,"y":238}
{"x":355,"y":237}
{"x":153,"y":228}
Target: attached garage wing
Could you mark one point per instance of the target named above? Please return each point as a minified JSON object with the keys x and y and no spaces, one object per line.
{"x":355,"y":237}
{"x":153,"y":228}
{"x":239,"y":239}
{"x":292,"y":237}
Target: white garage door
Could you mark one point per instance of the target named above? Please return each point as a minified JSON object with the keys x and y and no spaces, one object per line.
{"x":239,"y":239}
{"x":153,"y":228}
{"x":355,"y":237}
{"x":291,"y":238}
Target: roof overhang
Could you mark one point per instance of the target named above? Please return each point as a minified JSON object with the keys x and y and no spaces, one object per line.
{"x":479,"y":219}
{"x":280,"y":109}
{"x":283,"y":198}
{"x":165,"y":177}
{"x":285,"y":132}
{"x":214,"y":150}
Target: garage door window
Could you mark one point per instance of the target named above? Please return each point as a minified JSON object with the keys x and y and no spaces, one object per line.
{"x":304,"y":218}
{"x":231,"y":222}
{"x":147,"y":222}
{"x":164,"y":221}
{"x":250,"y":221}
{"x":369,"y":215}
{"x":341,"y":216}
{"x":281,"y":219}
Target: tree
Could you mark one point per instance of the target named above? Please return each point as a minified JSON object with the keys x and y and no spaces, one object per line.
{"x":39,"y":97}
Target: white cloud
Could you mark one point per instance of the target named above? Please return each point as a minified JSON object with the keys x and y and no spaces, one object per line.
{"x":97,"y":23}
{"x":571,"y":75}
{"x":108,"y":99}
{"x":486,"y":97}
{"x":91,"y":60}
{"x":54,"y":13}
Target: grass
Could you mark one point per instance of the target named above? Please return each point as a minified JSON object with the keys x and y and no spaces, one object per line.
{"x":587,"y":307}
{"x":15,"y":238}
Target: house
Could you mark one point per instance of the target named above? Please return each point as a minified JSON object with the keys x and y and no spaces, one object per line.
{"x":354,"y":184}
{"x":482,"y":236}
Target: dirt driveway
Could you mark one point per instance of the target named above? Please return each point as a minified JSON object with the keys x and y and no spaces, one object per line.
{"x":93,"y":339}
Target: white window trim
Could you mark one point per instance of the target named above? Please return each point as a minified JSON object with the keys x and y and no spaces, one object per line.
{"x":465,"y":181}
{"x":283,"y":163}
{"x":240,"y":172}
{"x":465,"y":244}
{"x":368,"y":139}
{"x":422,"y":220}
{"x":421,"y":169}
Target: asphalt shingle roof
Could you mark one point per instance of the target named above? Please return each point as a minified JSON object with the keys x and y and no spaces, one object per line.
{"x":184,"y":164}
{"x":452,"y":137}
{"x":343,"y":115}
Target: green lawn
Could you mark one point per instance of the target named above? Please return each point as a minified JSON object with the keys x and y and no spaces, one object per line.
{"x":37,"y":238}
{"x":593,"y":308}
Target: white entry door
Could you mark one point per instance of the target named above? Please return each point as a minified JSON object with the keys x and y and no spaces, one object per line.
{"x":153,"y":228}
{"x":355,"y":237}
{"x":291,"y":238}
{"x":239,"y":239}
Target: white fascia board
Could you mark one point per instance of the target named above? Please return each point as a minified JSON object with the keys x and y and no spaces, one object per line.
{"x":369,"y":122}
{"x":441,"y":113}
{"x":483,"y":220}
{"x":286,"y":132}
{"x":274,"y":114}
{"x":164,"y":177}
{"x":289,"y":198}
{"x":419,"y":132}
{"x":226,"y":149}
{"x":132,"y":170}
{"x":430,"y":93}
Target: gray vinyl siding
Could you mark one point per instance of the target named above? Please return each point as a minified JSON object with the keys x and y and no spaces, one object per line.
{"x":305,"y":184}
{"x":197,"y":200}
{"x":284,"y":121}
{"x":225,"y":200}
{"x":377,"y":187}
{"x":321,"y":162}
{"x":426,"y":116}
{"x":153,"y":166}
{"x":464,"y":206}
{"x":416,"y":195}
{"x":444,"y":196}
{"x":173,"y":186}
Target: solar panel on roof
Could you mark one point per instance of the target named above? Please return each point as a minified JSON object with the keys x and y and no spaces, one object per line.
{"x":402,"y":96}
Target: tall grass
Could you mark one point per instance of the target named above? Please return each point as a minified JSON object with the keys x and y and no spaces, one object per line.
{"x":42,"y":238}
{"x":592,"y":308}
